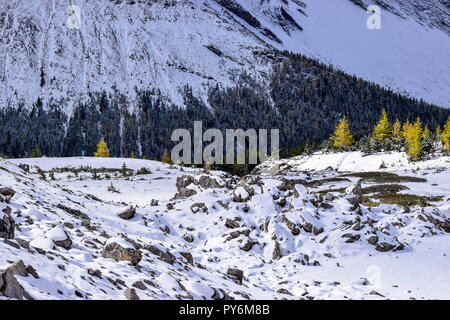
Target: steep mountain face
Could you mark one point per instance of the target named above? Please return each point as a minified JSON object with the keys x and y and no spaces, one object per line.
{"x":434,"y":14}
{"x":122,"y":45}
{"x":130,"y":45}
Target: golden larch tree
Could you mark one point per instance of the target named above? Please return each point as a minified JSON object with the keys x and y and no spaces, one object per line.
{"x":438,"y":134}
{"x":383,"y":129}
{"x":397,"y":130}
{"x":415,"y":140}
{"x":407,"y":131}
{"x":446,"y":136}
{"x":102,"y":150}
{"x":426,"y":132}
{"x":166,"y":158}
{"x":342,"y":137}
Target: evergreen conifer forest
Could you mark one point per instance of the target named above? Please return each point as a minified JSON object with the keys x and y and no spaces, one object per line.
{"x":305,"y":102}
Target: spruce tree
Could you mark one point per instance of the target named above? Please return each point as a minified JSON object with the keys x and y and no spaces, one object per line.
{"x":342,"y":137}
{"x":35,"y":153}
{"x":102,"y":149}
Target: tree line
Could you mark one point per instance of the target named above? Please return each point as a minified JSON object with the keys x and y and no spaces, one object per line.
{"x":414,"y":138}
{"x":304,"y":99}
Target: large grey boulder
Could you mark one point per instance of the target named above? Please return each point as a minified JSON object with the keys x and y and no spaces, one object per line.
{"x":118,"y":252}
{"x":7,"y":194}
{"x":18,"y":268}
{"x":10,"y":287}
{"x":130,"y":294}
{"x":7,"y":226}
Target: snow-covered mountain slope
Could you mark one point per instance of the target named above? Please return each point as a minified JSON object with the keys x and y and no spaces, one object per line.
{"x":128,"y":45}
{"x":407,"y":56}
{"x":200,"y":235}
{"x":120,"y":44}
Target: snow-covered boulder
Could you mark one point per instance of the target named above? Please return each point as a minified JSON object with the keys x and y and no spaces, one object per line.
{"x":242,"y":193}
{"x":60,"y":237}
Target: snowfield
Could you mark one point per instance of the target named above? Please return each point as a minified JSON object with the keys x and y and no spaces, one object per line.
{"x":326,"y":226}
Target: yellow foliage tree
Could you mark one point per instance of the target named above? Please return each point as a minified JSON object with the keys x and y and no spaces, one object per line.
{"x":426,"y":132}
{"x":342,"y":137}
{"x":133,"y":155}
{"x":415,"y":140}
{"x":397,"y":130}
{"x":383,"y":129}
{"x":446,"y":136}
{"x":102,"y":150}
{"x":166,"y":158}
{"x":407,"y":130}
{"x":438,"y":134}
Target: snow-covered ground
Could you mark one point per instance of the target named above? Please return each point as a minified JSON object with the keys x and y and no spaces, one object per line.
{"x":290,"y":236}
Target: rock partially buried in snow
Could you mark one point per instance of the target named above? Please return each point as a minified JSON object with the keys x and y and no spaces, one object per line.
{"x":372,"y":240}
{"x":242,"y":193}
{"x":120,"y":250}
{"x":7,"y":226}
{"x":354,"y":193}
{"x":196,"y":207}
{"x":7,"y":194}
{"x":59,"y":237}
{"x":128,"y":214}
{"x":199,"y":289}
{"x":207,"y":182}
{"x":165,"y":256}
{"x":301,"y":191}
{"x":10,"y":287}
{"x":181,"y":184}
{"x":18,"y":268}
{"x":236,"y":274}
{"x":42,"y":243}
{"x":130,"y":294}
